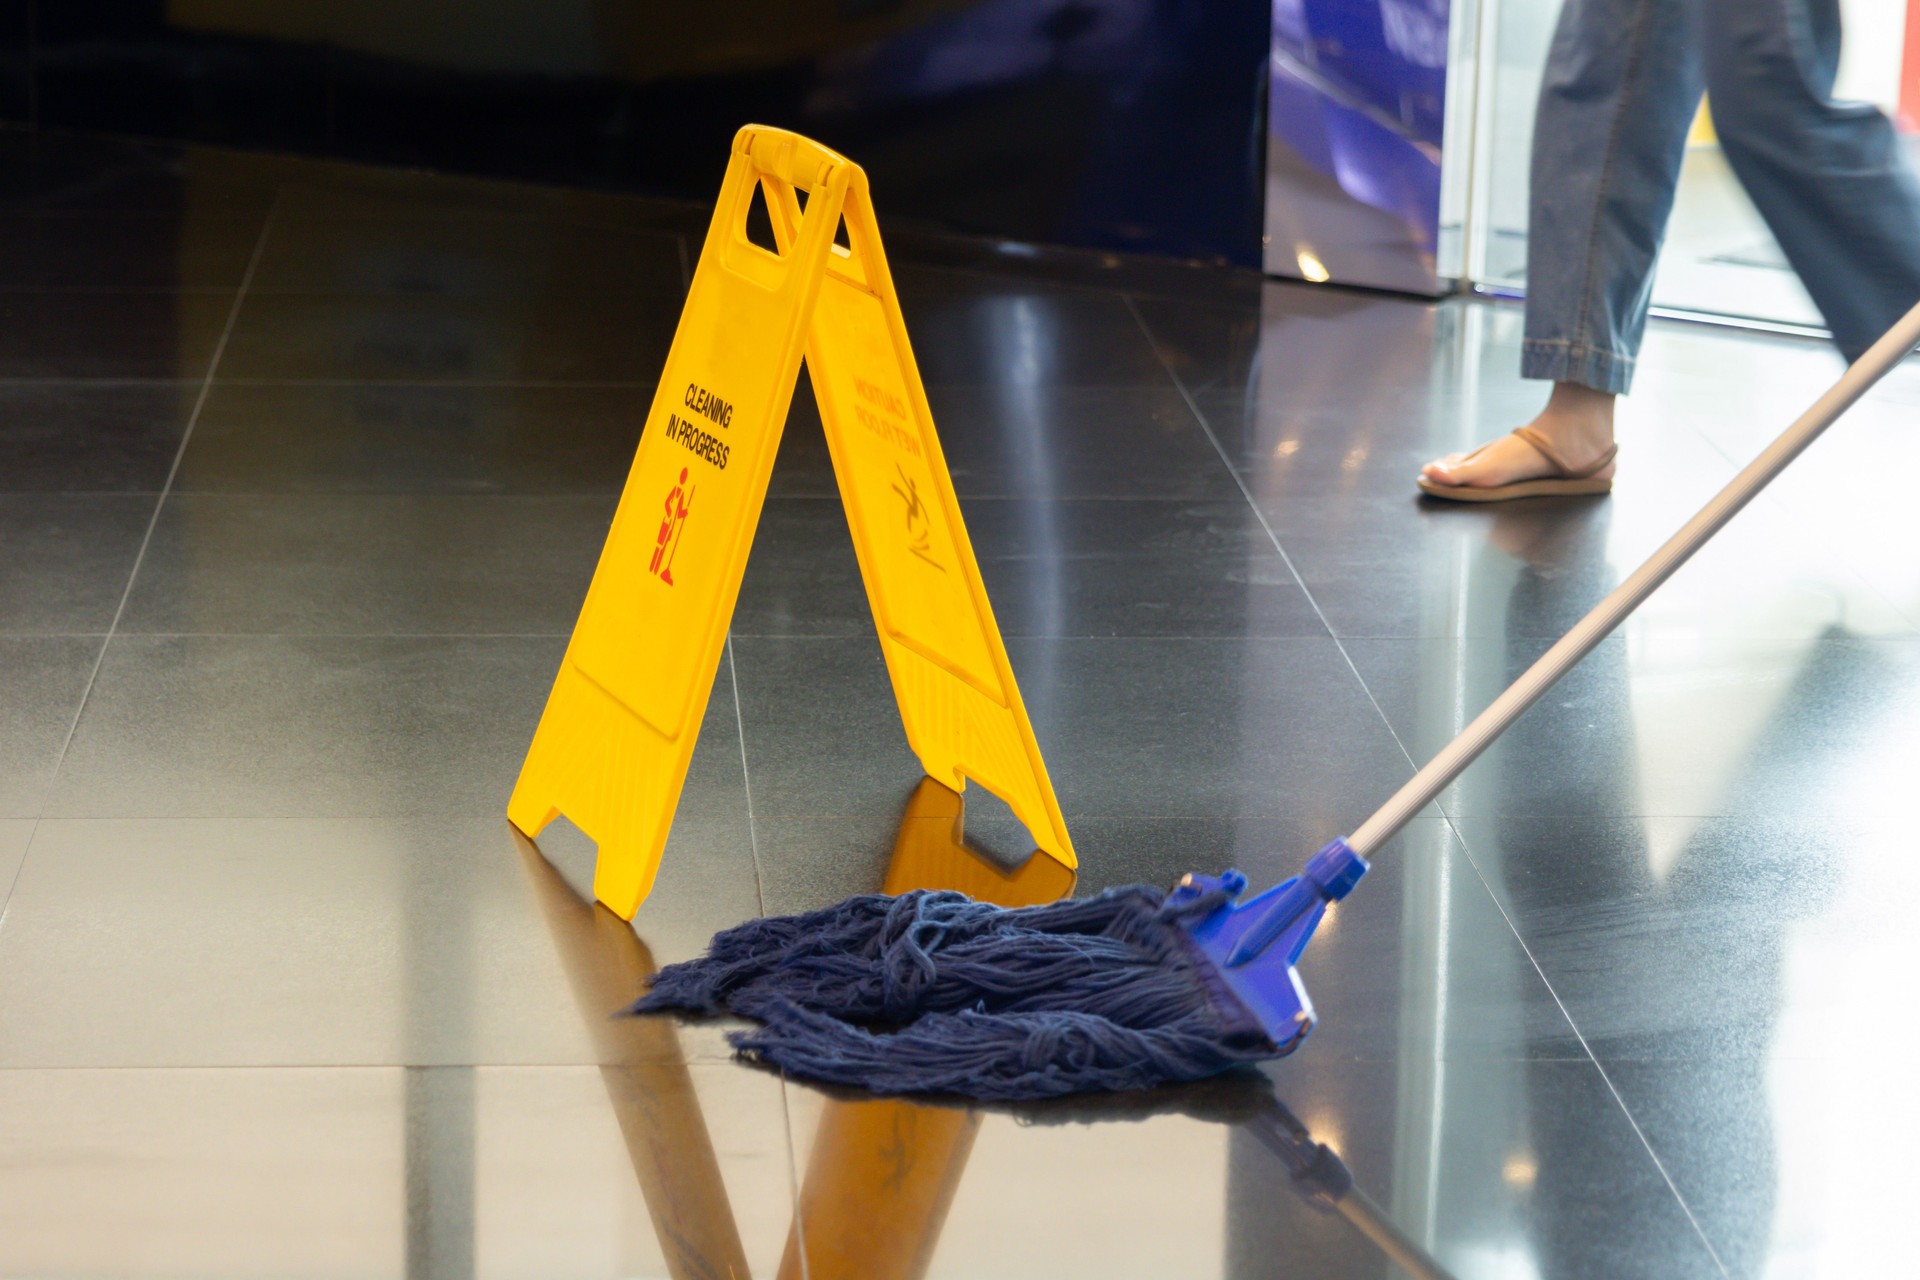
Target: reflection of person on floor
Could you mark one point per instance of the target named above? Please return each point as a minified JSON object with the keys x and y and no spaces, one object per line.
{"x":1623,"y":81}
{"x":1696,"y":950}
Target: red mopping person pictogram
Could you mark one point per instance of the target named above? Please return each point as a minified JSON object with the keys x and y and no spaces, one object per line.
{"x":667,"y":541}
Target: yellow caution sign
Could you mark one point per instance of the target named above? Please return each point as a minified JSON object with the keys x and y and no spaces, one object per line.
{"x":619,"y":728}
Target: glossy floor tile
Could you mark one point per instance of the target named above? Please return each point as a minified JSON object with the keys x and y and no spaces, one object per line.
{"x":100,"y":334}
{"x":389,"y":1171}
{"x":199,"y":726}
{"x":1038,"y":441}
{"x":364,"y":564}
{"x":413,"y":438}
{"x":14,"y":834}
{"x":1752,"y":1080}
{"x":1815,"y":910}
{"x":91,"y":437}
{"x":1662,"y":725}
{"x":1866,"y":457}
{"x":467,"y":257}
{"x":1179,"y":727}
{"x":1763,"y":1151}
{"x":235,"y":942}
{"x":65,"y":558}
{"x":309,"y":191}
{"x":103,"y":251}
{"x":281,"y":992}
{"x":1094,"y":567}
{"x":320,"y":726}
{"x":77,"y":174}
{"x":410,"y":337}
{"x":1329,"y":461}
{"x":970,"y":328}
{"x":1064,"y":1190}
{"x":46,"y":679}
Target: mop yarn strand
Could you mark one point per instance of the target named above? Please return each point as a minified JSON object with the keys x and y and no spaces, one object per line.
{"x":995,"y":1057}
{"x":932,"y":992}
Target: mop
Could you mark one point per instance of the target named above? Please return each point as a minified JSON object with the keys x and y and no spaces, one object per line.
{"x":932,"y":992}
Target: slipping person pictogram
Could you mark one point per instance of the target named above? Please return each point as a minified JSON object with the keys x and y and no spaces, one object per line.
{"x":919,"y":522}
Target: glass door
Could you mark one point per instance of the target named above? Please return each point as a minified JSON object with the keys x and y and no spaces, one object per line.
{"x":1719,"y":260}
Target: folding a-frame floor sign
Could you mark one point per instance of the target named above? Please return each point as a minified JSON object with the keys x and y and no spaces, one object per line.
{"x":618,"y":732}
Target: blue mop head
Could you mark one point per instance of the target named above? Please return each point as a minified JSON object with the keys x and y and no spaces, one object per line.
{"x":931,"y":992}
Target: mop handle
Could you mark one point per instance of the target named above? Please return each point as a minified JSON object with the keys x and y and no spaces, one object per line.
{"x":1625,"y":598}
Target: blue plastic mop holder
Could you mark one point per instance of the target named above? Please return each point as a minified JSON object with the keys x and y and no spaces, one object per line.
{"x":1252,"y":946}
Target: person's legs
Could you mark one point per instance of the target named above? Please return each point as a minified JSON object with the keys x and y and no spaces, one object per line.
{"x":1828,"y":176}
{"x":1622,"y":83}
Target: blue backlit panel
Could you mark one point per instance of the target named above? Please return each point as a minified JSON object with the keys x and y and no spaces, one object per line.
{"x":1356,"y":114}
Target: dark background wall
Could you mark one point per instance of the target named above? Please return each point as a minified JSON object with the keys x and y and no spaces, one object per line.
{"x":1115,"y":124}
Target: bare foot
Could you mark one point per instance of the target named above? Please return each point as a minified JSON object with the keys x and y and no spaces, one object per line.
{"x":1577,"y":420}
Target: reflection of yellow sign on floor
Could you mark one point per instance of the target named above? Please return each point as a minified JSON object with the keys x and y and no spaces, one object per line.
{"x":619,"y":728}
{"x":884,"y":1170}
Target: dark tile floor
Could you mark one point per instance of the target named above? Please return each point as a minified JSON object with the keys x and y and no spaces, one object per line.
{"x":303,"y":469}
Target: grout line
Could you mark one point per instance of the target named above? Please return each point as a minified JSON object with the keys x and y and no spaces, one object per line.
{"x":697,"y":1059}
{"x":322,"y":497}
{"x":75,"y":380}
{"x":794,"y":1181}
{"x":297,"y":814}
{"x":1266,"y":525}
{"x":1824,"y":536}
{"x":1058,"y":499}
{"x":1580,"y":1036}
{"x":854,"y":633}
{"x":304,"y":635}
{"x":111,"y":290}
{"x":506,"y":495}
{"x":1447,"y":817}
{"x":760,"y":902}
{"x":746,"y":782}
{"x":435,"y":384}
{"x":91,"y":494}
{"x":6,"y":899}
{"x":153,"y":522}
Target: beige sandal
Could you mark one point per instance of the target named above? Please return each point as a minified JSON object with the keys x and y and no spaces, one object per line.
{"x":1570,"y":482}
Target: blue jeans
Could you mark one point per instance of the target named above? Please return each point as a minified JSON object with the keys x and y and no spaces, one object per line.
{"x":1623,"y":81}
